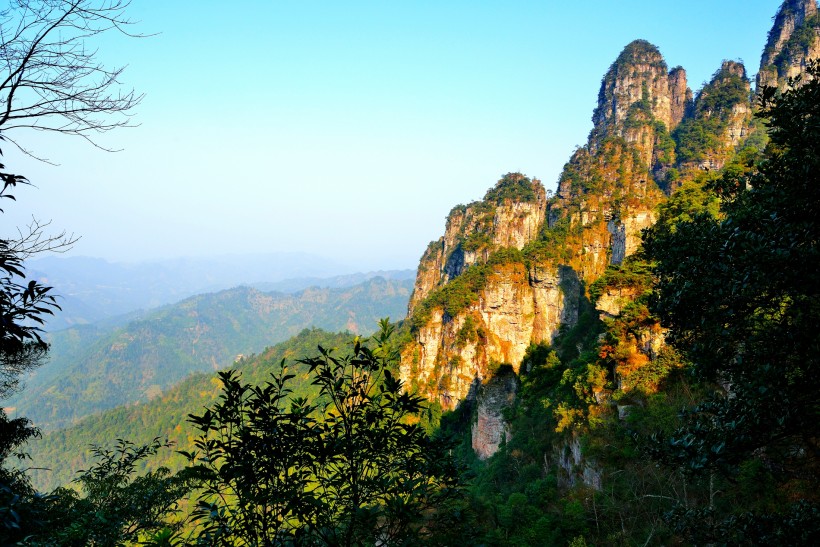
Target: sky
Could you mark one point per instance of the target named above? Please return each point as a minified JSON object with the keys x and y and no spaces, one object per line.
{"x":346,"y":129}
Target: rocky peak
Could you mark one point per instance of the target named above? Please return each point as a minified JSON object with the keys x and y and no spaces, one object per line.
{"x":680,"y":95}
{"x":636,"y":84}
{"x":793,"y":40}
{"x":510,"y":215}
{"x":728,"y":86}
{"x":721,"y":121}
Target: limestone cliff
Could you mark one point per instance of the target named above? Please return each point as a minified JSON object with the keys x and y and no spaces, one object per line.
{"x":452,"y":352}
{"x":793,"y":40}
{"x":490,"y":430}
{"x":509,"y":270}
{"x":515,"y":268}
{"x":510,"y":215}
{"x":641,"y":102}
{"x":720,"y":123}
{"x":639,"y":80}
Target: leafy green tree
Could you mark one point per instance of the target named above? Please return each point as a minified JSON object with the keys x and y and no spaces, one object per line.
{"x":740,"y":293}
{"x":353,"y":467}
{"x":114,"y":506}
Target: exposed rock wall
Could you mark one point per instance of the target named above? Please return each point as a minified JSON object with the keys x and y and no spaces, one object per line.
{"x":473,"y":231}
{"x":793,"y":40}
{"x":638,"y":75}
{"x":723,"y":114}
{"x":517,"y":307}
{"x":574,"y":468}
{"x":489,"y":429}
{"x":648,"y":135}
{"x":681,"y":98}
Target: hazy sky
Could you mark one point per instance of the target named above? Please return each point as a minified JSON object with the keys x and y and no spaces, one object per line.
{"x":349,"y":129}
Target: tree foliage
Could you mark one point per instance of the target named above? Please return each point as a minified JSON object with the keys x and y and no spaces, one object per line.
{"x":740,"y":294}
{"x":113,"y":506}
{"x":352,"y":467}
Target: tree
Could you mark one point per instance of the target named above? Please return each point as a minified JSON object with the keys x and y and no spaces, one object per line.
{"x":116,"y":507}
{"x":740,"y":292}
{"x":51,"y":81}
{"x":23,"y":306}
{"x":352,"y":468}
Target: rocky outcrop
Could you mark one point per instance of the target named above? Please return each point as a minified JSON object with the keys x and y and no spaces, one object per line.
{"x":613,"y":299}
{"x":517,"y":307}
{"x":510,"y":215}
{"x":639,"y":80}
{"x":574,"y":468}
{"x":641,"y":102}
{"x":489,"y":429}
{"x":606,"y":195}
{"x":626,"y":234}
{"x":793,"y":40}
{"x":720,"y":123}
{"x":681,"y":98}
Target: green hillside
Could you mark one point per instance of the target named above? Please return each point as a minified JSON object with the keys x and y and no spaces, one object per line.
{"x":92,"y":368}
{"x":60,"y":454}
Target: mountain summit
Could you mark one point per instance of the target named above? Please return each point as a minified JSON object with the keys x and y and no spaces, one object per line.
{"x":515,"y":269}
{"x":793,"y":40}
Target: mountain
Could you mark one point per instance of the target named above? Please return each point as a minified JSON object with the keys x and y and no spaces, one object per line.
{"x":335,"y":282}
{"x":532,"y":322}
{"x":93,"y":289}
{"x":512,"y":269}
{"x":531,"y":328}
{"x":793,"y":40}
{"x":93,"y":368}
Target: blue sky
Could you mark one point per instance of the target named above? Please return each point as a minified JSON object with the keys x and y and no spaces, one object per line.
{"x":348,"y":129}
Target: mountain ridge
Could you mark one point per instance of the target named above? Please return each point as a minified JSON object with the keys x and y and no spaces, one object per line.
{"x":95,"y":369}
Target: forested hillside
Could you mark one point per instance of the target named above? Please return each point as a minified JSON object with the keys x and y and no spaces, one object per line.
{"x":58,"y":456}
{"x":96,"y":368}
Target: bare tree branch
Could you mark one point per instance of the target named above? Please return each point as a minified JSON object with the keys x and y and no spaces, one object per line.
{"x":53,"y":80}
{"x":50,"y":80}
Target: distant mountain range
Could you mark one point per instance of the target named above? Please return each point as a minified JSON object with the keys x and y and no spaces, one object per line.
{"x":97,"y":367}
{"x":92,"y":289}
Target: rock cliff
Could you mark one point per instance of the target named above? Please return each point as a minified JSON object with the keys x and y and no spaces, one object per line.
{"x":793,"y":40}
{"x":641,"y":102}
{"x":515,"y":268}
{"x":509,"y":270}
{"x":453,"y":353}
{"x":490,"y":430}
{"x":720,"y":123}
{"x":639,"y":80}
{"x":510,"y":215}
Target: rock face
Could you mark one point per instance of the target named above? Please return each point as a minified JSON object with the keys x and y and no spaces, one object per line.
{"x":626,"y":234}
{"x":680,"y":95}
{"x":574,"y":468}
{"x":511,"y":270}
{"x":793,"y":41}
{"x":517,"y":307}
{"x":490,"y":430}
{"x":510,"y":215}
{"x":475,"y":307}
{"x":639,"y":79}
{"x":720,"y":123}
